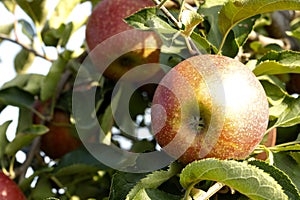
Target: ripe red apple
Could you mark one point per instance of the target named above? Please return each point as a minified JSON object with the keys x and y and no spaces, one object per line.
{"x":120,"y":51}
{"x":60,"y":139}
{"x":209,"y":106}
{"x":9,"y":190}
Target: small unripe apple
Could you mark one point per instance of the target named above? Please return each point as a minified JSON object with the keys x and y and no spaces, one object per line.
{"x":9,"y":190}
{"x":209,"y":106}
{"x":61,"y":137}
{"x":121,"y":52}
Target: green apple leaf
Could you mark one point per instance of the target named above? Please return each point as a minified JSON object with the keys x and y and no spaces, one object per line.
{"x":42,"y":189}
{"x":154,"y":179}
{"x":234,"y":12}
{"x":76,"y":157}
{"x":6,"y":29}
{"x":274,"y":89}
{"x":28,"y":82}
{"x":3,"y":138}
{"x":288,"y":186}
{"x":16,"y":97}
{"x":57,"y":36}
{"x":278,"y":63}
{"x":241,"y":176}
{"x":235,"y":38}
{"x":25,"y":138}
{"x":286,"y":162}
{"x":27,"y":29}
{"x":50,"y":82}
{"x":147,"y":19}
{"x":36,"y":10}
{"x":291,"y":115}
{"x":23,"y":61}
{"x":76,"y":169}
{"x":122,"y":183}
{"x":155,"y":194}
{"x":26,"y":183}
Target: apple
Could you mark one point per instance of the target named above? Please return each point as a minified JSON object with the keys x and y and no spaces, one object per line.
{"x":61,"y":137}
{"x":122,"y":47}
{"x":209,"y":106}
{"x":9,"y":190}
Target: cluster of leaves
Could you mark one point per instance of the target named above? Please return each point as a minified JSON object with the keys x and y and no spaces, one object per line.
{"x":222,"y":27}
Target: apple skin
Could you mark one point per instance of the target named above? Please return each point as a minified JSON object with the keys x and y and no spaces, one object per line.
{"x":60,"y":139}
{"x":123,"y":52}
{"x":227,"y":118}
{"x":9,"y":190}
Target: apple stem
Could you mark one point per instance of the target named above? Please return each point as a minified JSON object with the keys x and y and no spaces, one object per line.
{"x":167,"y":13}
{"x":211,"y":191}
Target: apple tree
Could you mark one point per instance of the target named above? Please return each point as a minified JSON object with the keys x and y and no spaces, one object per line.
{"x":86,"y":133}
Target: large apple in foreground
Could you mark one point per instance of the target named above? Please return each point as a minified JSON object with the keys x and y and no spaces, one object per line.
{"x":209,"y":106}
{"x":118,"y":52}
{"x":9,"y":190}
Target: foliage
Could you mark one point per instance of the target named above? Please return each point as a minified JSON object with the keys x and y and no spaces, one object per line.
{"x":215,"y":27}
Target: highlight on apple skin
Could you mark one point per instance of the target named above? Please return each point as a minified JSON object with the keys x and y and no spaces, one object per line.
{"x":115,"y":47}
{"x":209,"y":106}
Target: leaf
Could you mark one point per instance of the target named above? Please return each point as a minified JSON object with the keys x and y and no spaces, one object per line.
{"x":210,"y":10}
{"x":42,"y":189}
{"x":59,"y":36}
{"x":23,"y":61}
{"x":285,"y":162}
{"x":28,"y":82}
{"x":6,"y":29}
{"x":26,"y":183}
{"x":241,"y":176}
{"x":155,"y":194}
{"x":25,"y":138}
{"x":190,"y":19}
{"x":16,"y":97}
{"x":106,"y":124}
{"x":76,"y":169}
{"x":50,"y":82}
{"x":78,"y":157}
{"x":9,"y":5}
{"x":148,"y":19}
{"x":3,"y":138}
{"x":288,"y":186}
{"x":274,"y":89}
{"x":36,"y":10}
{"x":278,"y":63}
{"x":61,"y":12}
{"x":235,"y":11}
{"x":122,"y":183}
{"x":154,"y":180}
{"x":291,"y":115}
{"x":27,"y":29}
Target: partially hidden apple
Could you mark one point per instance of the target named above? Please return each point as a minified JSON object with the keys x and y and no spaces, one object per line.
{"x":61,"y":137}
{"x":9,"y":190}
{"x":209,"y":106}
{"x":122,"y":47}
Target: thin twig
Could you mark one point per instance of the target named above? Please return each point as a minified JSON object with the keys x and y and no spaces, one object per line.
{"x":4,"y":37}
{"x":23,"y":169}
{"x":168,"y":14}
